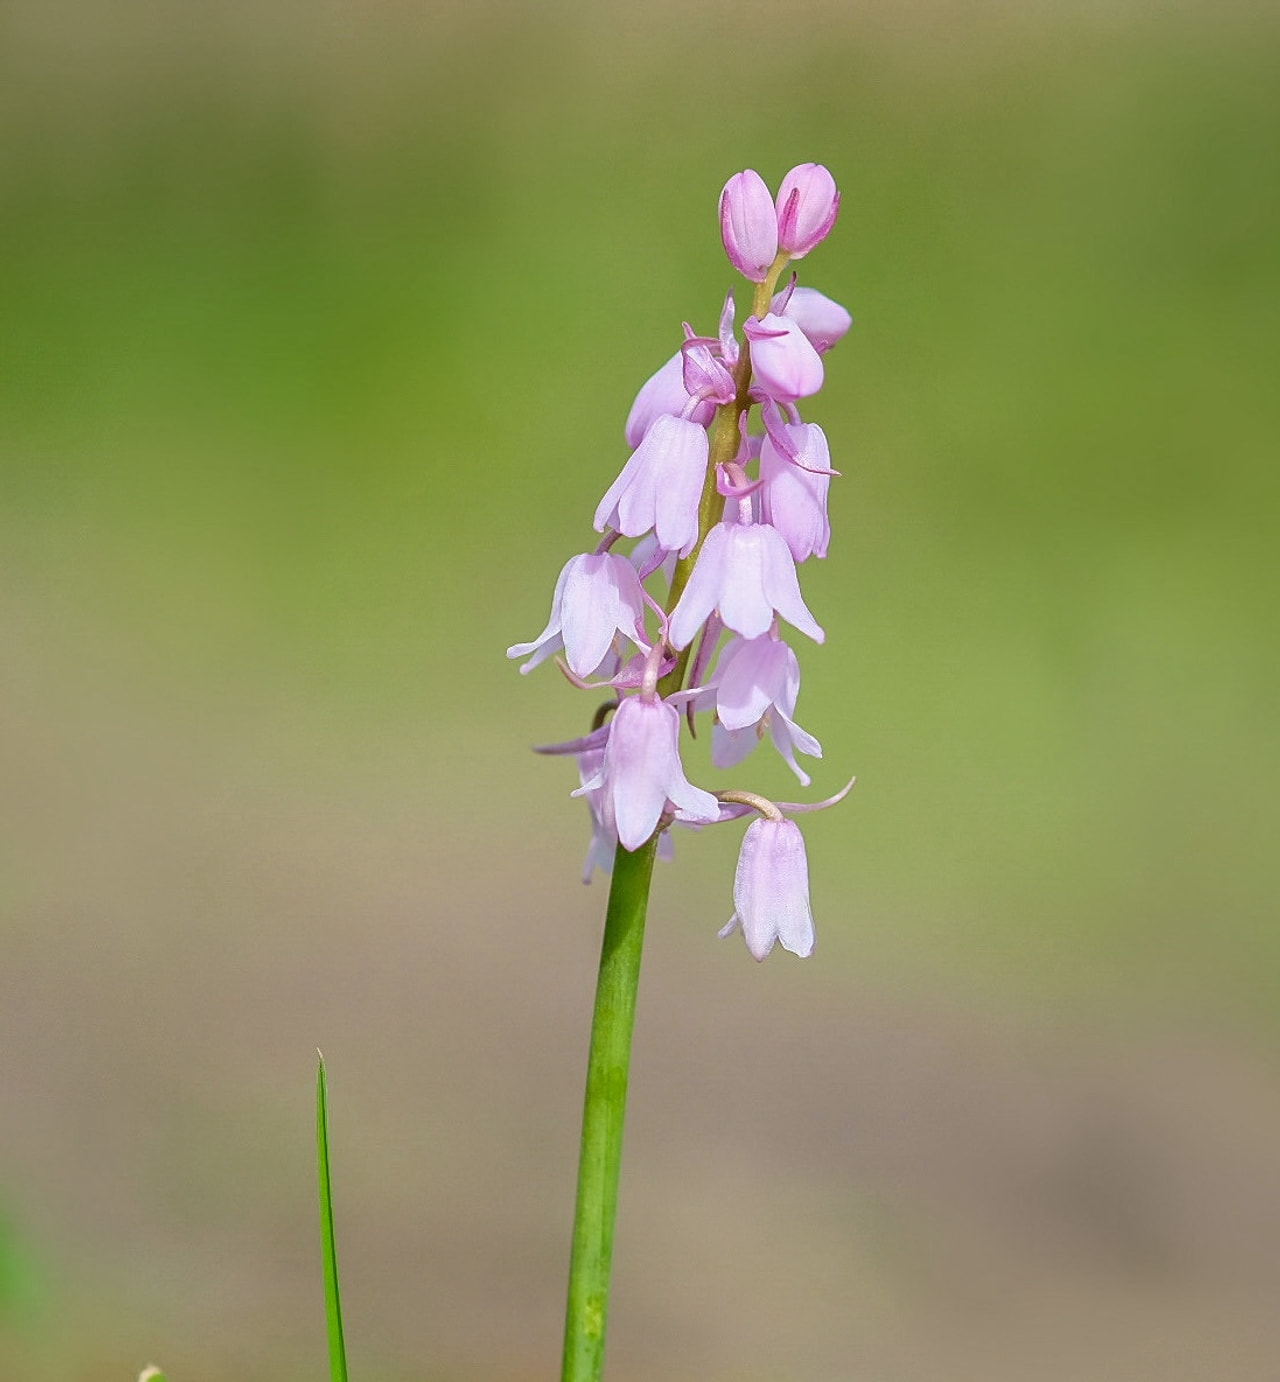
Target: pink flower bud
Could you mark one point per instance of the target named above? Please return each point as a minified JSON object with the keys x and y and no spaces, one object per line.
{"x":807,"y":206}
{"x":786,"y":366}
{"x":749,"y":225}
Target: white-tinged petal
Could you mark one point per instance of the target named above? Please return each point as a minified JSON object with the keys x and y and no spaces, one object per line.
{"x":788,"y":737}
{"x":548,"y":641}
{"x":607,"y":509}
{"x":782,"y":587}
{"x":590,"y":614}
{"x":702,"y":592}
{"x":744,"y":604}
{"x":678,"y":481}
{"x":748,"y":680}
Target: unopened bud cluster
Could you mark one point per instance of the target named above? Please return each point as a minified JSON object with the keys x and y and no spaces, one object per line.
{"x":723,"y":516}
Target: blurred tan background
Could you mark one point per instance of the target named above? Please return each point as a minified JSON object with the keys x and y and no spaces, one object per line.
{"x":319,"y":324}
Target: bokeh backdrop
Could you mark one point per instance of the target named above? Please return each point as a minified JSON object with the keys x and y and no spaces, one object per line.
{"x":318,"y":325}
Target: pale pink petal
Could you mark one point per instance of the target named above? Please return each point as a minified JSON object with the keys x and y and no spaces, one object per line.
{"x":782,"y":588}
{"x":702,"y":592}
{"x":744,"y":605}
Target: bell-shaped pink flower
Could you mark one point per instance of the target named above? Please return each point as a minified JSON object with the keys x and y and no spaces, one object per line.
{"x":754,"y":688}
{"x":793,"y":491}
{"x":807,"y":207}
{"x":746,"y":574}
{"x":660,"y":486}
{"x":785,"y":364}
{"x":823,"y":321}
{"x":663,"y":394}
{"x":597,"y":596}
{"x":603,"y":839}
{"x":771,"y":890}
{"x":640,"y":775}
{"x":749,"y":225}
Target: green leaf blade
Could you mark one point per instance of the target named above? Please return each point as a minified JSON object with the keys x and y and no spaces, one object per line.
{"x":332,"y":1295}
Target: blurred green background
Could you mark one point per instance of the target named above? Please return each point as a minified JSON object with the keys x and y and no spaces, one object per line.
{"x":318,"y":325}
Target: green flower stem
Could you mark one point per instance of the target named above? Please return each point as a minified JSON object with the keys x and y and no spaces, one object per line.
{"x":604,"y":1110}
{"x":605,"y":1105}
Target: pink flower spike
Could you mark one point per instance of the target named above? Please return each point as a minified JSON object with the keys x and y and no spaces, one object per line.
{"x":749,"y":225}
{"x":823,"y":321}
{"x":771,"y":890}
{"x":660,"y":486}
{"x":597,"y":596}
{"x":662,"y":394}
{"x":793,"y":497}
{"x":745,"y":572}
{"x":640,"y":776}
{"x":807,"y":206}
{"x":786,"y":365}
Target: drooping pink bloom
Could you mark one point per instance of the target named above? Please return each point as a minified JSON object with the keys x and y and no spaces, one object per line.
{"x":771,"y":890}
{"x":660,"y":486}
{"x":640,"y":775}
{"x":663,"y":394}
{"x":807,"y":207}
{"x":793,"y":492}
{"x":745,"y":573}
{"x":785,"y":364}
{"x":822,"y":320}
{"x":749,"y":225}
{"x":603,"y":840}
{"x":756,"y":683}
{"x":597,"y":597}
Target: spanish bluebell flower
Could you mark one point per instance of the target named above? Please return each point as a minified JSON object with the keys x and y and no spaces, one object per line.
{"x":597,"y":597}
{"x":771,"y":889}
{"x":640,"y":775}
{"x":746,"y":574}
{"x":660,"y":485}
{"x":754,"y":690}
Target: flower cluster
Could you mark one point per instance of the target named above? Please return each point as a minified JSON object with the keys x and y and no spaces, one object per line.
{"x":724,"y":515}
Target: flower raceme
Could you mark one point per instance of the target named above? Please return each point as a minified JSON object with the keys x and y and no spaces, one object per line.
{"x":724,"y":515}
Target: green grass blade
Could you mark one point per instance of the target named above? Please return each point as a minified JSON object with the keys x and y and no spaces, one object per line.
{"x":332,"y":1296}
